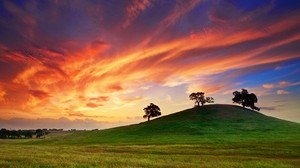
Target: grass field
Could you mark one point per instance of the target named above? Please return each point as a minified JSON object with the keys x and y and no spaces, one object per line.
{"x":211,"y":136}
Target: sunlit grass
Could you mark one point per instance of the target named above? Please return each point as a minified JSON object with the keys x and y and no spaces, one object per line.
{"x":201,"y":155}
{"x":204,"y":137}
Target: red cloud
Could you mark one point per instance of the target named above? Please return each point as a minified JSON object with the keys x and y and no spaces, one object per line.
{"x":39,"y":94}
{"x":115,"y":87}
{"x":93,"y":105}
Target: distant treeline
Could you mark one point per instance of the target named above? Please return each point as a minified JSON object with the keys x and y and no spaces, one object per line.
{"x":18,"y":134}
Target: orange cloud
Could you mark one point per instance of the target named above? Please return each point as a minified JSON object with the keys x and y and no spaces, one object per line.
{"x":282,"y":92}
{"x":115,"y":87}
{"x":268,"y":86}
{"x":93,"y":105}
{"x":100,"y":98}
{"x":2,"y":94}
{"x":39,"y":94}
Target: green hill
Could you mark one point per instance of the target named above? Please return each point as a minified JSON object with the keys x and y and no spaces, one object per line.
{"x":212,"y":136}
{"x":207,"y":124}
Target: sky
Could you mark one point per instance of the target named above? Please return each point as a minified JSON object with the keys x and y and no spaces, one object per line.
{"x":88,"y":64}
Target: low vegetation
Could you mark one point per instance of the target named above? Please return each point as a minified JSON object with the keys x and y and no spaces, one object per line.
{"x":19,"y":134}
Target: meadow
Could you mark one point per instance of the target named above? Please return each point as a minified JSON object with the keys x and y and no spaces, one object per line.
{"x":209,"y":136}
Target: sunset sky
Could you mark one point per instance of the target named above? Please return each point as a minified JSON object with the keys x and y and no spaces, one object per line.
{"x":97,"y":64}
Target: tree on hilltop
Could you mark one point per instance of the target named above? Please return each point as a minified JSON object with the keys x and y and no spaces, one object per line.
{"x":246,"y":99}
{"x":199,"y":98}
{"x":151,"y":111}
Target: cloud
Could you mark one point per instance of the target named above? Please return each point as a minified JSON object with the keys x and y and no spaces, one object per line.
{"x":97,"y":44}
{"x":274,"y":108}
{"x":268,"y":108}
{"x":280,"y":84}
{"x":181,"y":9}
{"x":132,"y":99}
{"x":122,"y":101}
{"x":268,"y":86}
{"x":82,"y":115}
{"x":206,"y":87}
{"x":39,"y":94}
{"x":115,"y":87}
{"x":93,"y":105}
{"x":282,"y":92}
{"x":24,"y":21}
{"x":281,"y":101}
{"x":2,"y":94}
{"x":283,"y":83}
{"x":99,"y":99}
{"x":134,"y":118}
{"x":134,"y":9}
{"x":224,"y":12}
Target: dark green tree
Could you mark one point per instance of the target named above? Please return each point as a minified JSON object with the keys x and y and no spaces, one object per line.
{"x":39,"y":133}
{"x":3,"y":133}
{"x":151,"y":111}
{"x":246,"y":99}
{"x":199,"y":98}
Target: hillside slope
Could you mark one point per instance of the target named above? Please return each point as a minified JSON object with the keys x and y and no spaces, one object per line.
{"x":211,"y":123}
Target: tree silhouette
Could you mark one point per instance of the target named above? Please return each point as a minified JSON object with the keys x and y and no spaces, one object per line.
{"x":3,"y":133}
{"x":151,"y":111}
{"x":199,"y":97}
{"x":39,"y":133}
{"x":13,"y":134}
{"x":246,"y":99}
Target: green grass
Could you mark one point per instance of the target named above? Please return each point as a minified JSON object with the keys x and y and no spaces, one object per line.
{"x":209,"y":136}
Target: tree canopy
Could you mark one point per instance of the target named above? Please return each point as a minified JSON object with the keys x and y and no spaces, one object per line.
{"x":13,"y":134}
{"x":151,"y":111}
{"x":199,"y":98}
{"x":246,"y":99}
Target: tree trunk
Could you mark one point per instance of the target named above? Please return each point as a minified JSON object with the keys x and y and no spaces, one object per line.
{"x":198,"y":103}
{"x":148,"y":118}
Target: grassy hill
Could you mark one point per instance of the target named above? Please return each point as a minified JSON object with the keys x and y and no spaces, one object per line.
{"x":211,"y":123}
{"x":212,"y":136}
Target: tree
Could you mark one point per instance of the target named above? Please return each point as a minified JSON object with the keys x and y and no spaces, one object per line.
{"x":13,"y":134}
{"x":151,"y":111}
{"x":246,"y":99}
{"x":28,"y":133}
{"x":199,"y":97}
{"x":39,"y":133}
{"x":3,"y":133}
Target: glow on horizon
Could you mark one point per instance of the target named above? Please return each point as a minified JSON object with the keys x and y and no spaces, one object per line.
{"x":79,"y":62}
